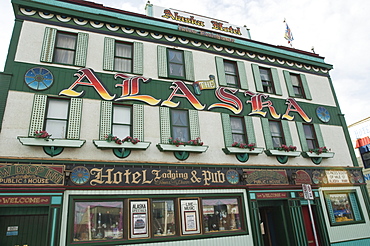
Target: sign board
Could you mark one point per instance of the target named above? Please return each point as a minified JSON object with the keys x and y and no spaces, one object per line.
{"x":337,"y":177}
{"x":307,"y":192}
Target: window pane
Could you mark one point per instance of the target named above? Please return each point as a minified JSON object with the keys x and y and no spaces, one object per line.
{"x":121,"y":115}
{"x":123,"y":65}
{"x":58,"y":109}
{"x":221,"y":215}
{"x":181,"y":133}
{"x":179,"y":117}
{"x":341,"y":207}
{"x":164,"y":223}
{"x":57,"y":128}
{"x":123,"y":50}
{"x":64,"y":56}
{"x":121,"y":131}
{"x":66,"y":41}
{"x":275,"y":129}
{"x":236,"y":125}
{"x":98,"y":221}
{"x":231,"y":80}
{"x":230,"y":68}
{"x":176,"y":69}
{"x":239,"y":138}
{"x":308,"y":131}
{"x":175,"y":56}
{"x":295,"y":80}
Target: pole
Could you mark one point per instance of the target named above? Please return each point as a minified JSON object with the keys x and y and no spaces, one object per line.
{"x":313,"y":223}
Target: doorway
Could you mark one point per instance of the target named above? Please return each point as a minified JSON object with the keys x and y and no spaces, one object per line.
{"x":273,"y":226}
{"x":23,"y":227}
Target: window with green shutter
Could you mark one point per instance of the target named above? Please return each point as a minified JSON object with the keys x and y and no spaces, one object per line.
{"x":122,"y":56}
{"x":297,"y":85}
{"x":266,"y":80}
{"x":176,"y":64}
{"x":237,"y":129}
{"x":310,"y":136}
{"x":276,"y":133}
{"x":64,"y":47}
{"x":231,"y":73}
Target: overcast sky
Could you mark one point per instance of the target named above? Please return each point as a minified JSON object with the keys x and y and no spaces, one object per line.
{"x":339,"y":30}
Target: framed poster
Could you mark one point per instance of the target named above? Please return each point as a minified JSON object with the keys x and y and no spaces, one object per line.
{"x":189,"y":209}
{"x":139,"y":219}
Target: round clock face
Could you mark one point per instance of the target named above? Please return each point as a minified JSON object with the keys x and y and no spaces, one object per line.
{"x":38,"y":78}
{"x":80,"y":175}
{"x":232,"y":177}
{"x":323,"y":114}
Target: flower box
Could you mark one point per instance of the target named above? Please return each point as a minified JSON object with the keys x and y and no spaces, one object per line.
{"x":103,"y":144}
{"x":236,"y":150}
{"x":274,"y":152}
{"x":186,"y":148}
{"x":51,"y":142}
{"x":309,"y":154}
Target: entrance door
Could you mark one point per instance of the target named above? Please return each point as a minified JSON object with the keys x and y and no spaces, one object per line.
{"x":273,"y":226}
{"x":308,"y":226}
{"x":25,"y":229}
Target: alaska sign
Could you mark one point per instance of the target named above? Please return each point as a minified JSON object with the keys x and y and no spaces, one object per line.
{"x":227,"y":98}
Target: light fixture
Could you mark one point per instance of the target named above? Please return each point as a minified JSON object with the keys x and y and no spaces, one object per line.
{"x":67,"y":175}
{"x":245,"y":175}
{"x":293,"y":177}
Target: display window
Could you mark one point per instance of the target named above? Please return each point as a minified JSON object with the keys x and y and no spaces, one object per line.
{"x":164,"y":217}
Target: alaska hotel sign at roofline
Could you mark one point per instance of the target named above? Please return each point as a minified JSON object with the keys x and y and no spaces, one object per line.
{"x":194,"y":20}
{"x":130,"y":90}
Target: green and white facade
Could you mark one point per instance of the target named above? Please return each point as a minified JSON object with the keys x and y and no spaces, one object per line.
{"x":252,"y":119}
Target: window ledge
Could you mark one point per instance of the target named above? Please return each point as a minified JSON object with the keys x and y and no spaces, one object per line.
{"x":273,"y":152}
{"x":186,"y":148}
{"x":51,"y":142}
{"x":236,"y":150}
{"x":309,"y":154}
{"x":102,"y":144}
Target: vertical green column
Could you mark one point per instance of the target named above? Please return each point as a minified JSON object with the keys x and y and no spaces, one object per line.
{"x":321,"y":229}
{"x":54,"y":226}
{"x":297,"y":224}
{"x":255,"y":222}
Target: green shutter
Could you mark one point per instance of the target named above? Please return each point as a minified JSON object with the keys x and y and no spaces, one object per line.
{"x":105,"y":119}
{"x":276,"y":80}
{"x":330,"y":208}
{"x":302,"y":136}
{"x":138,"y":66}
{"x":288,"y":82}
{"x":48,"y":44}
{"x":320,"y":139}
{"x":194,"y":124}
{"x":242,"y":75}
{"x":109,"y":47}
{"x":74,"y":118}
{"x":220,"y":71}
{"x":226,"y":125}
{"x":81,"y":49}
{"x":162,"y":61}
{"x":38,"y":114}
{"x":138,"y":121}
{"x":250,"y":129}
{"x":257,"y":77}
{"x":189,"y":65}
{"x":267,"y":133}
{"x":165,"y":124}
{"x":355,"y":207}
{"x":306,"y":89}
{"x":286,"y":130}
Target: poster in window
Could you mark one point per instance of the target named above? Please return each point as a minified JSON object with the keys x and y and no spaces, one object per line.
{"x":189,"y":216}
{"x":139,"y":219}
{"x":341,"y":207}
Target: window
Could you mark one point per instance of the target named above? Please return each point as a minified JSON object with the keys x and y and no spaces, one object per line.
{"x":180,"y":125}
{"x":121,"y":122}
{"x":366,"y":159}
{"x":266,"y":80}
{"x":123,"y":57}
{"x":238,"y":130}
{"x":98,"y":221}
{"x":64,"y":47}
{"x":343,"y":207}
{"x":220,"y":214}
{"x":57,"y":117}
{"x":177,"y":64}
{"x":310,"y":136}
{"x":297,"y":85}
{"x":164,"y":217}
{"x":231,"y":73}
{"x":276,"y":134}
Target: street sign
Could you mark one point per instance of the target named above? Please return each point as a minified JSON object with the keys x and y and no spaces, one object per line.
{"x":307,"y":191}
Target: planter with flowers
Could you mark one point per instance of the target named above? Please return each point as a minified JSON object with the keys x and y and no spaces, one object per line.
{"x":121,"y":147}
{"x":318,"y":154}
{"x":283,"y":152}
{"x":242,"y":150}
{"x":51,"y":146}
{"x":182,"y":149}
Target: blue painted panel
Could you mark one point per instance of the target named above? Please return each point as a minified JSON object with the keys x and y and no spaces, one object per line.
{"x":55,"y":200}
{"x":361,"y":242}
